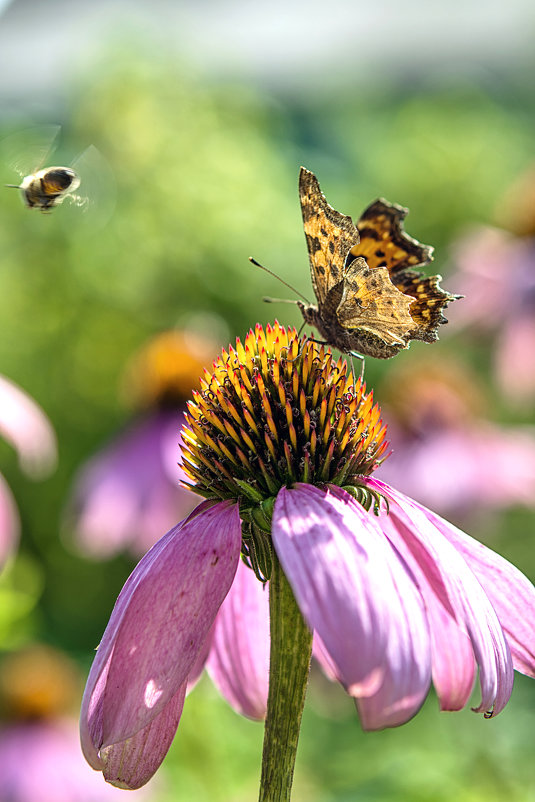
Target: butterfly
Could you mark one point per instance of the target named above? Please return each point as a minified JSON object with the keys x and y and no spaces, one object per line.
{"x":372,"y":297}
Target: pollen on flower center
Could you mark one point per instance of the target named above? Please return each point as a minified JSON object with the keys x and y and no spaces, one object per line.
{"x":277,"y":410}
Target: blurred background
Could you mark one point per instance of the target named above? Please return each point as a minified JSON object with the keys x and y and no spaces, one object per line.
{"x":202,"y":113}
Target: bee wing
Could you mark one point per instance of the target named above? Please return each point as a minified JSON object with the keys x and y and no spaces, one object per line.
{"x":95,"y":195}
{"x":26,"y":151}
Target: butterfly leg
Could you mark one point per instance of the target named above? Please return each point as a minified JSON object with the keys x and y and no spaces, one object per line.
{"x":357,"y":356}
{"x":308,"y":340}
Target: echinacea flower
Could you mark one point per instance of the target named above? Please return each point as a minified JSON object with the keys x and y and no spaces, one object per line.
{"x":39,"y":746}
{"x":129,"y":493}
{"x":24,"y":425}
{"x":446,"y":454}
{"x":282,"y":442}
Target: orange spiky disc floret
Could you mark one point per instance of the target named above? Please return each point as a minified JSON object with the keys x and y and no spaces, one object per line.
{"x":276,"y":410}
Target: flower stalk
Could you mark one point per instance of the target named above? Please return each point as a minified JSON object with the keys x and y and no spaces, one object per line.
{"x":291,"y":649}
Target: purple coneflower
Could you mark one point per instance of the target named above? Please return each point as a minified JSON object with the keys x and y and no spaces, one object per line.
{"x":282,"y":443}
{"x":435,"y":421}
{"x":129,"y":493}
{"x":26,"y":427}
{"x":497,"y":276}
{"x":39,"y":746}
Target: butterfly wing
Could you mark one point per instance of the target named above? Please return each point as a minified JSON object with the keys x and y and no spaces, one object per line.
{"x":385,"y":244}
{"x":329,"y":235}
{"x":370,"y":302}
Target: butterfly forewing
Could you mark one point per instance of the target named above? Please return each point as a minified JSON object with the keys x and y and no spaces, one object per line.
{"x":329,"y":235}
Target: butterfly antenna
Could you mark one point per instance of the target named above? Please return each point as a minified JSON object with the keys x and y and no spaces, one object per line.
{"x":269,"y":300}
{"x":12,"y":186}
{"x":271,"y":273}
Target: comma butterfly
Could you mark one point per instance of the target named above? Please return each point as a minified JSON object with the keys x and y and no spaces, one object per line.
{"x":372,"y":301}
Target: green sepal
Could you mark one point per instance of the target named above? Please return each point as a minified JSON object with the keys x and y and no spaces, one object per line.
{"x":367,"y":497}
{"x":251,"y":492}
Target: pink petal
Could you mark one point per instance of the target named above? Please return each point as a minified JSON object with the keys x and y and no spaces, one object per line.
{"x":239,"y":660}
{"x":9,"y":522}
{"x":158,"y":626}
{"x":453,"y":664}
{"x":320,"y":653}
{"x":131,"y":763}
{"x":92,"y":703}
{"x":459,"y":591}
{"x":200,"y":662}
{"x":356,"y":595}
{"x":510,"y":592}
{"x":25,"y":426}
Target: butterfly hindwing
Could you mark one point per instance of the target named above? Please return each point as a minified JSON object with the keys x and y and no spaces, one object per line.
{"x":371,"y":302}
{"x":383,"y":241}
{"x":428,"y":304}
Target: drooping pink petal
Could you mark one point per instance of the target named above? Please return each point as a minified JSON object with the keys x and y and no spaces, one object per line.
{"x":511,"y":593}
{"x":320,"y":653}
{"x":458,"y":590}
{"x":91,"y":715}
{"x":356,"y":594}
{"x":453,"y":663}
{"x":200,"y":662}
{"x":131,"y":763}
{"x":9,"y":522}
{"x":26,"y":427}
{"x":158,"y":626}
{"x":238,"y":663}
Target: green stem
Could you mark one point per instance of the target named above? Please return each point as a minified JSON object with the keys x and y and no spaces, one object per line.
{"x":291,"y":647}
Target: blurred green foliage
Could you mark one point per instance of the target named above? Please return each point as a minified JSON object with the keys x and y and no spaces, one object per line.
{"x":207,"y":175}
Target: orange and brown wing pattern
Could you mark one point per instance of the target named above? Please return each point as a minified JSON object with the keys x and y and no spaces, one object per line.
{"x":429,"y":302}
{"x":370,"y":302}
{"x":384,"y":242}
{"x":329,"y":235}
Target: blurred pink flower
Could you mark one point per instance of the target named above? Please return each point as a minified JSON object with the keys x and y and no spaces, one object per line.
{"x":41,"y":760}
{"x":25,"y":427}
{"x":444,"y":452}
{"x":40,"y":756}
{"x":497,"y":277}
{"x":395,"y":600}
{"x":129,"y":493}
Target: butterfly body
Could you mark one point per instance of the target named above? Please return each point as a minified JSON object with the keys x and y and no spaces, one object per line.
{"x":371,"y":299}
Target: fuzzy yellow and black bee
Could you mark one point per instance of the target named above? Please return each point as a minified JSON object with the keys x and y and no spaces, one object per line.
{"x":48,"y":188}
{"x":43,"y":187}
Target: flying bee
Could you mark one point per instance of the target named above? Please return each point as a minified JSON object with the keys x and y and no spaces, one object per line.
{"x":48,"y":188}
{"x":44,"y":188}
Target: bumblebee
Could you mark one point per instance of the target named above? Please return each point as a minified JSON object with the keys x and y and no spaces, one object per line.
{"x":44,"y":188}
{"x":49,"y":187}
